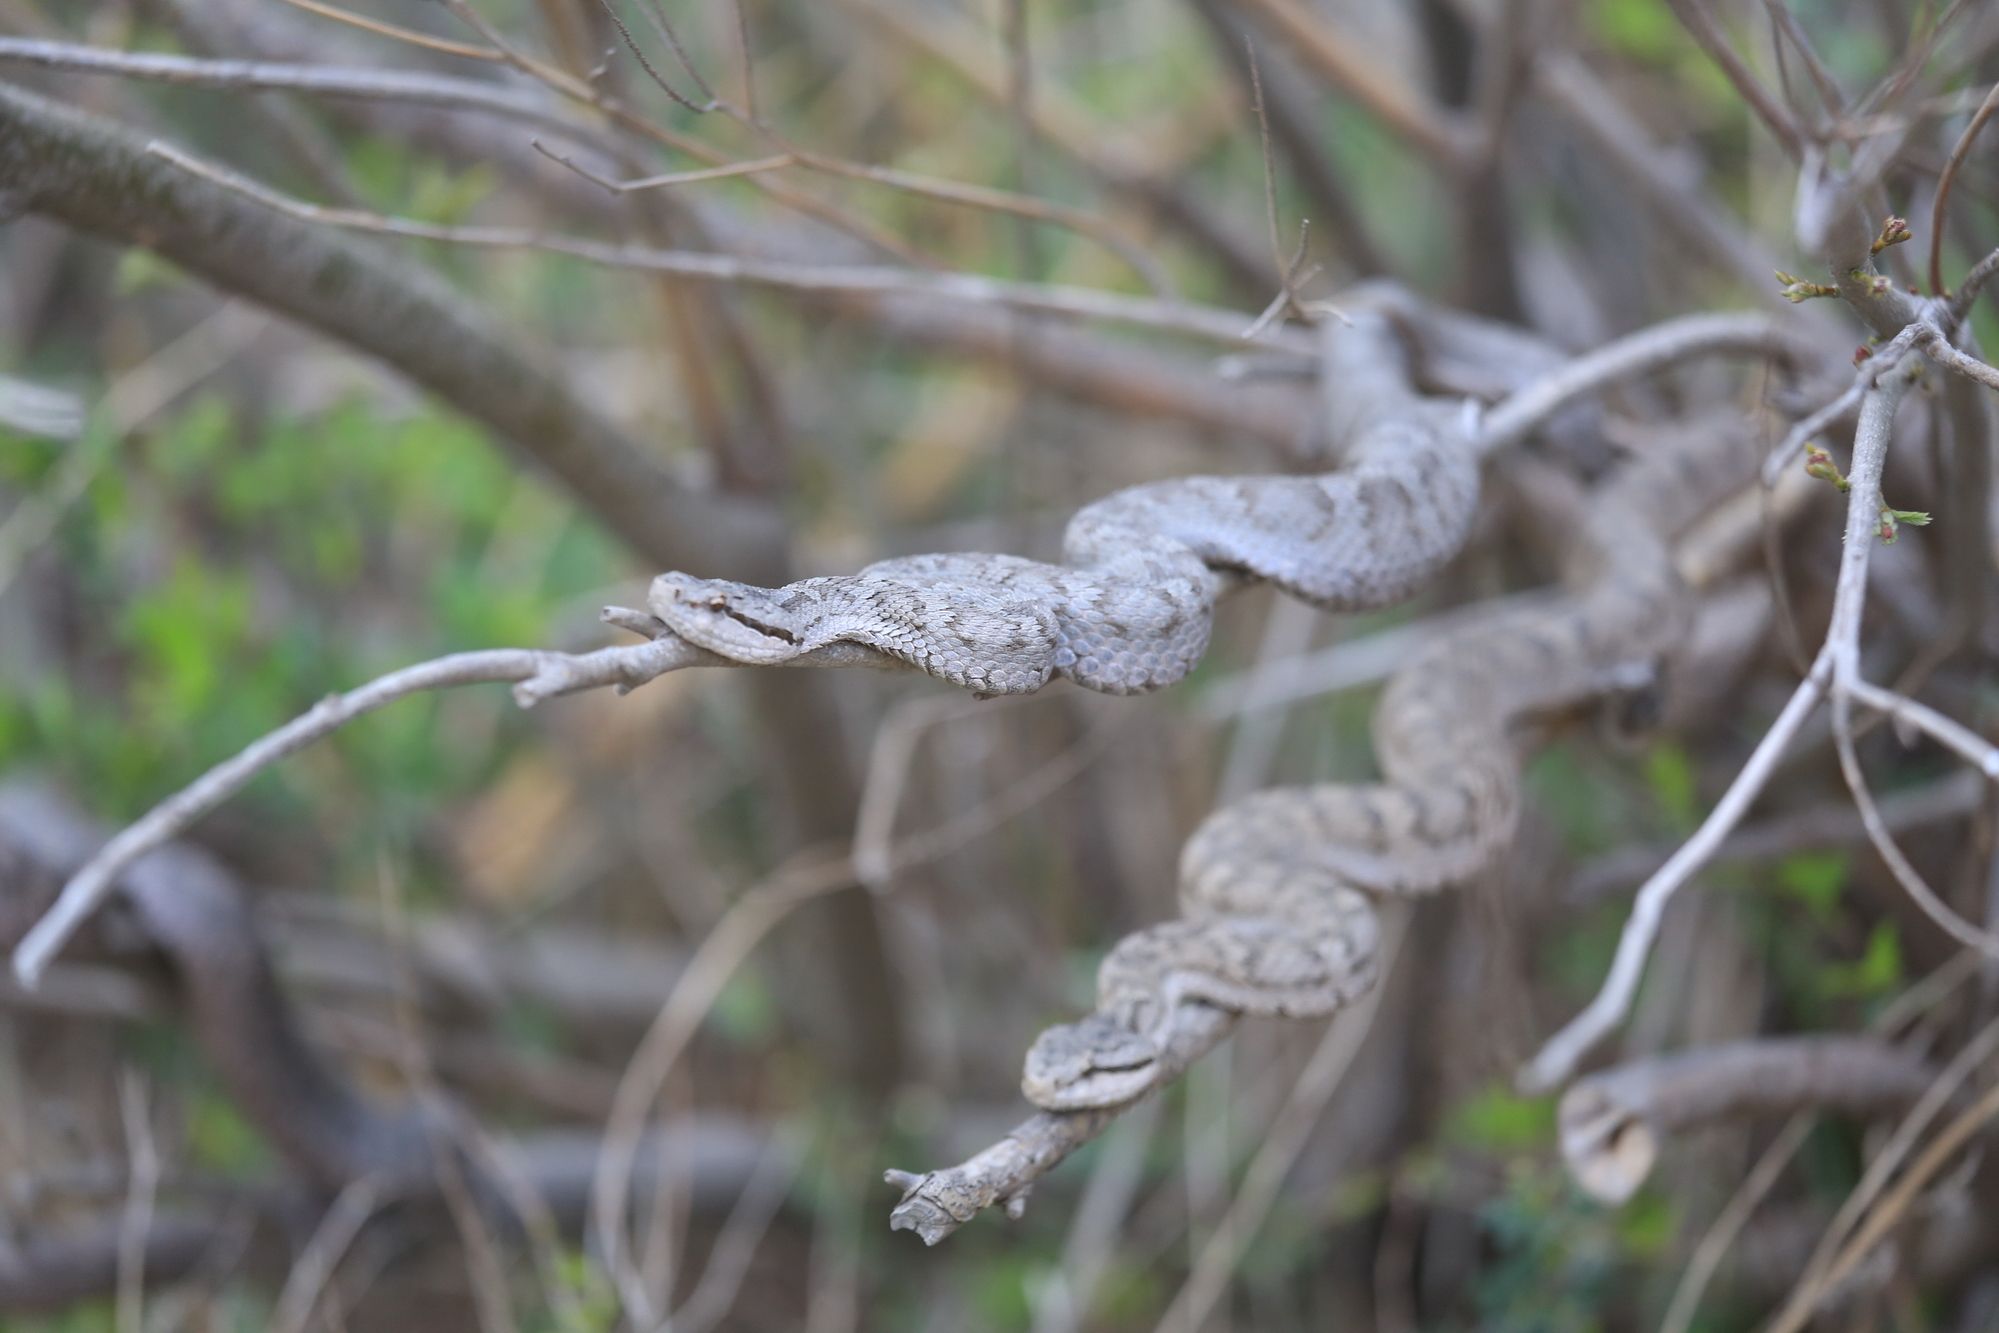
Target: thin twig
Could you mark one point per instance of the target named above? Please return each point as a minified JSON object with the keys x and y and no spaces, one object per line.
{"x":734,"y":937}
{"x":729,"y":1261}
{"x":1828,"y":1267}
{"x":1939,"y":210}
{"x":1010,"y":203}
{"x":1974,"y":282}
{"x":1701,"y":27}
{"x":1975,"y":749}
{"x":1786,"y":27}
{"x":581,"y":91}
{"x":351,"y":1210}
{"x":1285,"y":270}
{"x":391,"y":85}
{"x":1282,"y":1142}
{"x":130,"y":401}
{"x":541,"y":670}
{"x":141,"y":1191}
{"x":659,"y":80}
{"x":1827,"y":824}
{"x":655,"y":14}
{"x":1558,"y":1058}
{"x":1081,"y":302}
{"x":1962,"y":363}
{"x":1842,"y":646}
{"x":1720,"y":1237}
{"x":1641,"y":353}
{"x":1884,"y":359}
{"x":1402,"y":110}
{"x":1716,"y":1243}
{"x":396,"y":32}
{"x":669,"y":178}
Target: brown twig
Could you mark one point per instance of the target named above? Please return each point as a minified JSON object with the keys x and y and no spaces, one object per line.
{"x":1841,"y":1244}
{"x":396,"y":32}
{"x":669,"y":178}
{"x":1398,"y":107}
{"x":734,"y":937}
{"x":1080,"y":302}
{"x":1701,"y":27}
{"x":1939,"y":210}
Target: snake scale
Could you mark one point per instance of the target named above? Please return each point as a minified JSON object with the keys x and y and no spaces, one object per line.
{"x":1276,"y":889}
{"x":1130,"y":608}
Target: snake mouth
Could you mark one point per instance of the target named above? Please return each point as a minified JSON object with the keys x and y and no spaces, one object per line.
{"x":1111,"y":1062}
{"x":750,"y":622}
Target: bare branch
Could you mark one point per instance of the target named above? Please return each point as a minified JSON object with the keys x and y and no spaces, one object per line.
{"x":1402,"y":110}
{"x":1081,"y":302}
{"x":1975,"y":749}
{"x":1974,"y":282}
{"x":396,"y":32}
{"x":1884,"y":359}
{"x":1642,"y":353}
{"x":95,"y":176}
{"x":1072,"y":128}
{"x":1282,"y":1142}
{"x":1870,"y":450}
{"x":1701,"y":27}
{"x":1563,"y":1052}
{"x":1008,"y":203}
{"x":1612,"y":1123}
{"x":937,"y":1203}
{"x":1835,"y":1252}
{"x":1961,"y":363}
{"x":540,"y":673}
{"x":442,"y":90}
{"x":669,"y":178}
{"x":1828,"y":824}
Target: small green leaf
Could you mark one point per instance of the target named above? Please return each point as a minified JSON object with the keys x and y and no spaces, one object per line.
{"x":139,"y":270}
{"x":1670,"y":773}
{"x":1876,"y":972}
{"x":745,"y":1012}
{"x":219,"y":1138}
{"x":1815,"y":879}
{"x":1647,"y":1225}
{"x":1500,"y":1121}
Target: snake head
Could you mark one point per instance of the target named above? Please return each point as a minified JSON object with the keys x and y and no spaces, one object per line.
{"x":737,"y":620}
{"x":1095,"y":1062}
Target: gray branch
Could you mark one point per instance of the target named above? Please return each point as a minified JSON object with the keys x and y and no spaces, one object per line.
{"x":1612,"y":1123}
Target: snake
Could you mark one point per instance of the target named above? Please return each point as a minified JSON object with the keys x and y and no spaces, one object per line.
{"x":1129,"y":608}
{"x":1279,"y":891}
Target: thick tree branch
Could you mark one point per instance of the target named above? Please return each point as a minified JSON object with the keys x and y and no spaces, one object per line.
{"x":96,"y":176}
{"x":1612,"y":1123}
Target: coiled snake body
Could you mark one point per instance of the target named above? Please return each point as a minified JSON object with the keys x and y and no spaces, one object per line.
{"x":1130,"y":609}
{"x":1276,"y":889}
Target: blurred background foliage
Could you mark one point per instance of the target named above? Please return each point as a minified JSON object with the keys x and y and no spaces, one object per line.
{"x":287,"y":520}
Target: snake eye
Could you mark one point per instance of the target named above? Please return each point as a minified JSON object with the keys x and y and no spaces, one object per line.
{"x":716,"y":601}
